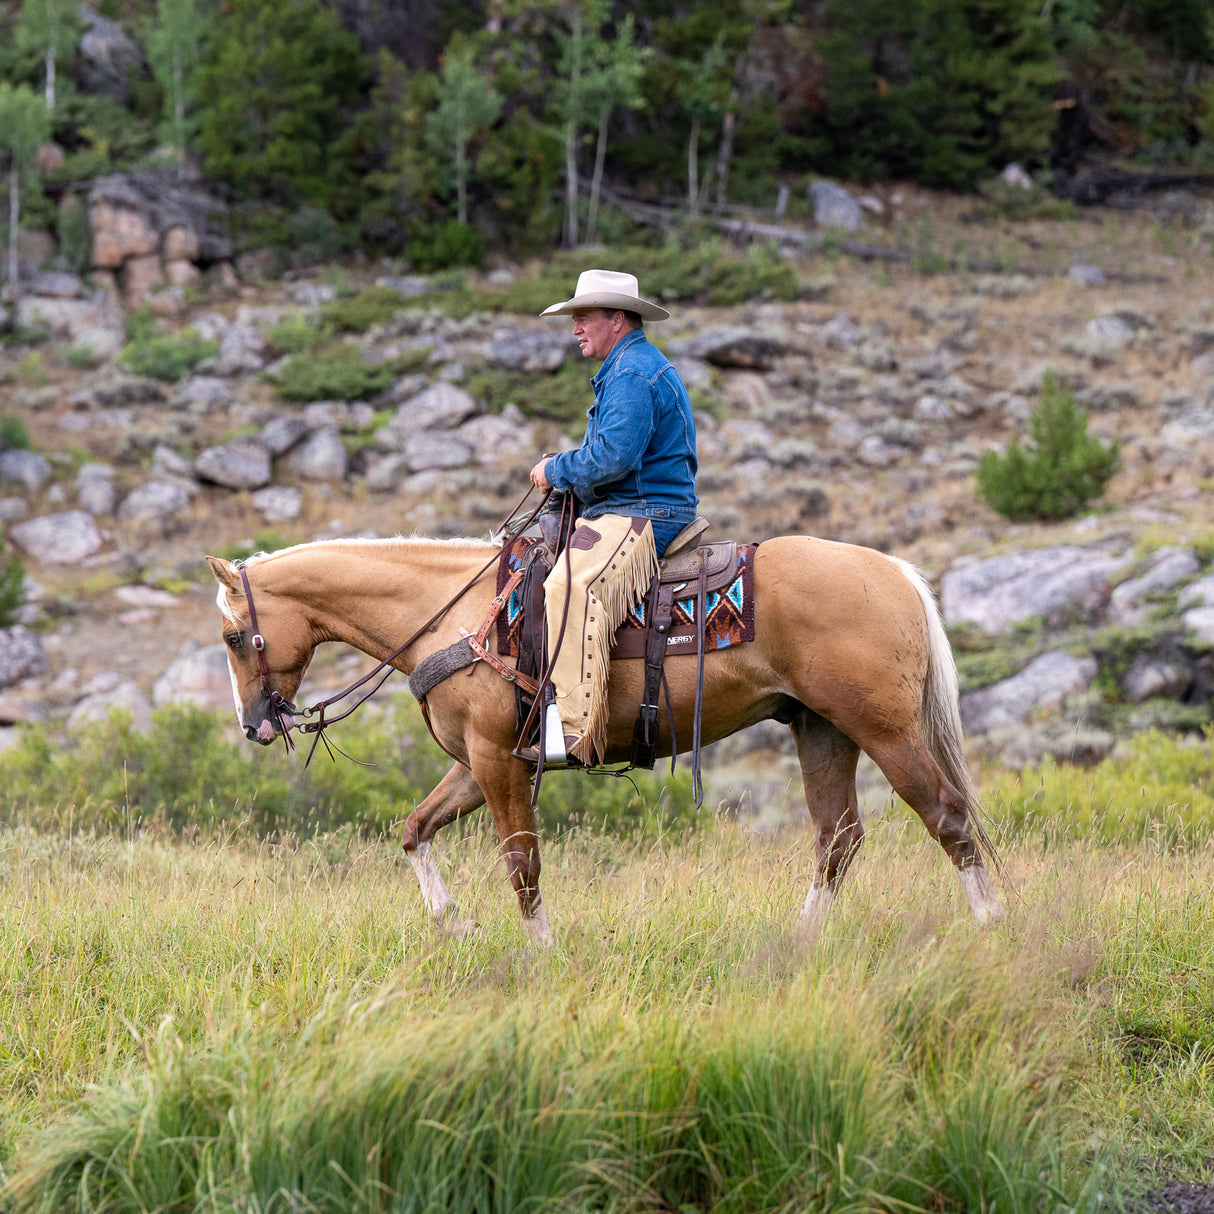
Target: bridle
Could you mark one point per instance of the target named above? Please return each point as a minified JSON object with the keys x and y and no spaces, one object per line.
{"x":280,"y":707}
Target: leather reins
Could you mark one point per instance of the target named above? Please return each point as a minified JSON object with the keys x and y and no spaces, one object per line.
{"x":280,"y":706}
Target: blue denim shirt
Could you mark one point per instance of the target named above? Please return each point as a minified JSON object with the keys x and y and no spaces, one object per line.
{"x":638,"y":456}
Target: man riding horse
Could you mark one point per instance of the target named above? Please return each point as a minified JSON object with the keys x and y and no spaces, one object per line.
{"x":633,"y":479}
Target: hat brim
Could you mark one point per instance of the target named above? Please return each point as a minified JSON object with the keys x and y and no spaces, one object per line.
{"x":605,"y":299}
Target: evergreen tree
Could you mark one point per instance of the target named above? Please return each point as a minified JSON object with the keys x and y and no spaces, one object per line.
{"x":25,"y":123}
{"x":278,"y":85}
{"x":173,"y":48}
{"x":1059,"y":472}
{"x":52,"y":28}
{"x":467,"y":103}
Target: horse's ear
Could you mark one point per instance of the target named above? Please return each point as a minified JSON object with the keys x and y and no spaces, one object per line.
{"x":225,"y":575}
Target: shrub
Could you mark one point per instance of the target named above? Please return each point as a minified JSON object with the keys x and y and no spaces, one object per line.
{"x":360,"y":312}
{"x":1059,"y":473}
{"x":168,"y":356}
{"x":446,"y":244}
{"x":12,"y":588}
{"x":13,"y":434}
{"x":294,"y":335}
{"x":333,"y":373}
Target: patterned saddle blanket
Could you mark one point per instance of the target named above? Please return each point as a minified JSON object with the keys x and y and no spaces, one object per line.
{"x":729,"y":616}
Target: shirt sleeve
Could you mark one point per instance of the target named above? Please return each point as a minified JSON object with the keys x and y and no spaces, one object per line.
{"x":625,"y":424}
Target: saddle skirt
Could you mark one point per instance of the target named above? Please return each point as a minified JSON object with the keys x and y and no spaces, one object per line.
{"x":729,"y":600}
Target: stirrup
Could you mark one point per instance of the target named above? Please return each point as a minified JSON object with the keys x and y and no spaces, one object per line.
{"x":554,"y":737}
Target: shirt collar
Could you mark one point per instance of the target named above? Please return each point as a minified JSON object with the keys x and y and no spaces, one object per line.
{"x":627,"y":340}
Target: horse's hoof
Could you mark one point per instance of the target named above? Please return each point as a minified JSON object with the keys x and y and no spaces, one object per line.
{"x":453,"y":926}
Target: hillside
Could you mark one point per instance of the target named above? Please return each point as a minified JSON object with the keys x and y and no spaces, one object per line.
{"x":856,"y":411}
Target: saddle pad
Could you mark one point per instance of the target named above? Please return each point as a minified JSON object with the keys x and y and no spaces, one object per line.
{"x":729,"y":620}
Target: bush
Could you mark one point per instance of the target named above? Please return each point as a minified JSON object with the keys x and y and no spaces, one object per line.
{"x":446,"y":244}
{"x":13,"y":434}
{"x":1059,"y":473}
{"x":360,"y":312}
{"x":167,"y":356}
{"x":12,"y":588}
{"x":334,"y":373}
{"x":294,"y":335}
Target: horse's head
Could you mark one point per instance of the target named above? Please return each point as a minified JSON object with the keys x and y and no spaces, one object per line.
{"x":266,"y":658}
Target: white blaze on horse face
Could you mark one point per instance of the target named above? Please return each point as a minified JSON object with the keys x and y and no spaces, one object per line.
{"x":221,"y":600}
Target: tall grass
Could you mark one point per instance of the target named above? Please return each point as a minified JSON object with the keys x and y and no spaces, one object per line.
{"x":232,"y":1025}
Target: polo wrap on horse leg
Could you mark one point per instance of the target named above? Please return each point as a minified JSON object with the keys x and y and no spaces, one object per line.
{"x":613,"y":561}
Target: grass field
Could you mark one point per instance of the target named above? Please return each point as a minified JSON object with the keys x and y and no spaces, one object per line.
{"x":230,"y":1025}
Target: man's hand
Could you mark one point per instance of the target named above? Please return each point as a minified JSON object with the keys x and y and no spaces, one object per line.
{"x":538,"y":479}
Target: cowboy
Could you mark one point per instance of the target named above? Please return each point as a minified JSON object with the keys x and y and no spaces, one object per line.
{"x":633,"y":478}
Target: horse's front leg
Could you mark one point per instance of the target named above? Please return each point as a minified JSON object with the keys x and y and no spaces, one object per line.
{"x":456,"y":794}
{"x":507,"y":785}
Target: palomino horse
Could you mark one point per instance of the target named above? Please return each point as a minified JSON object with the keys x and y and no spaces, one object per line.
{"x":850,"y":652}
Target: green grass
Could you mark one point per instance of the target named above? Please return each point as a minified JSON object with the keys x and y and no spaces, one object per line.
{"x":198,"y":1019}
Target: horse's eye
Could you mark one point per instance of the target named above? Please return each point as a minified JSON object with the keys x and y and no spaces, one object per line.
{"x":234,"y":640}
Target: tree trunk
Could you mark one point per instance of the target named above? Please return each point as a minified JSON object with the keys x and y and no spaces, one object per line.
{"x":693,"y":167}
{"x":461,"y":182}
{"x":14,"y":219}
{"x":570,"y":186}
{"x":596,"y":184}
{"x":724,"y":154}
{"x":50,"y":77}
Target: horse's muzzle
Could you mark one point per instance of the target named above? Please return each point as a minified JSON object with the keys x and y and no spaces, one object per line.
{"x":269,"y":729}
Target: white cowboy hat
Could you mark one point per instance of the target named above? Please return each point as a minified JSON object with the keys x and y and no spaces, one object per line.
{"x":608,"y":289}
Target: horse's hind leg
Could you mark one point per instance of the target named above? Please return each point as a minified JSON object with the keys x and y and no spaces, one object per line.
{"x":916,"y":777}
{"x":456,"y":794}
{"x":828,"y":769}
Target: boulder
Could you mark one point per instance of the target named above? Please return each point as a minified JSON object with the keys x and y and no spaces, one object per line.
{"x":523,"y":350}
{"x":1150,"y":677}
{"x":155,"y":500}
{"x":730,"y":347}
{"x":21,"y":655}
{"x":125,"y":697}
{"x":834,"y":207}
{"x":1043,"y":685}
{"x":442,"y":406}
{"x":1049,"y":583}
{"x":200,"y":676}
{"x":66,"y":538}
{"x":282,"y":433}
{"x":426,"y":450}
{"x":110,"y":61}
{"x":322,"y":456}
{"x":1169,"y":567}
{"x":495,"y":437}
{"x":95,"y":322}
{"x":279,"y":503}
{"x":244,"y":463}
{"x":95,"y":489}
{"x":24,"y":469}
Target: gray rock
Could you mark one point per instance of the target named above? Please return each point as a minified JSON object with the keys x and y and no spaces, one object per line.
{"x":66,"y":538}
{"x":875,"y":452}
{"x":931,"y":408}
{"x":110,"y":58}
{"x":1198,"y":594}
{"x":1149,"y":677}
{"x":13,"y":509}
{"x":1194,"y":421}
{"x":197,"y":677}
{"x":694,"y":372}
{"x":166,"y":462}
{"x":99,"y":318}
{"x":730,"y":347}
{"x":24,"y":469}
{"x":114,"y":389}
{"x":279,"y":503}
{"x":428,"y":450}
{"x":241,"y":351}
{"x":21,"y":655}
{"x":322,"y":456}
{"x":442,"y":406}
{"x":204,"y":394}
{"x":405,"y":284}
{"x":834,"y":207}
{"x":495,"y":437}
{"x":244,"y":463}
{"x":999,"y":592}
{"x":1169,"y":567}
{"x":282,"y":433}
{"x":126,"y":697}
{"x":154,"y":500}
{"x":95,"y":488}
{"x":1043,"y":685}
{"x":1084,"y":275}
{"x":387,"y":472}
{"x":57,"y":284}
{"x":1200,"y":622}
{"x":524,"y":350}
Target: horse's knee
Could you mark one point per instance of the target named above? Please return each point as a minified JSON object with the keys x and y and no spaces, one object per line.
{"x":523,"y":862}
{"x":409,"y":839}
